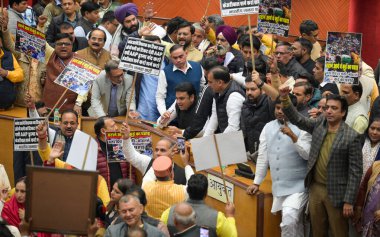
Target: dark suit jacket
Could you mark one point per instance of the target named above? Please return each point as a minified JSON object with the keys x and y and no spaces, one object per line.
{"x":345,"y":166}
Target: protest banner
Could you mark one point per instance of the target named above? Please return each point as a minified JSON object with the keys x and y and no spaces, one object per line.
{"x":142,"y":56}
{"x":215,"y":150}
{"x":78,"y":76}
{"x":216,"y":189}
{"x":114,"y":146}
{"x":25,"y":134}
{"x":83,"y":152}
{"x":274,"y":17}
{"x":238,"y":7}
{"x":30,"y":41}
{"x":142,"y":142}
{"x":343,"y":53}
{"x":60,"y":200}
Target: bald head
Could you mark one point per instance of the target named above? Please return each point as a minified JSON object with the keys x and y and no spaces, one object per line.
{"x":184,"y":216}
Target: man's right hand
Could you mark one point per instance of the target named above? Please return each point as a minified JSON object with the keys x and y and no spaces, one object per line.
{"x":256,"y":78}
{"x":29,"y":101}
{"x":252,"y":189}
{"x":42,"y":21}
{"x":42,"y":129}
{"x":284,"y":90}
{"x":125,"y":130}
{"x":230,"y":209}
{"x":165,"y":117}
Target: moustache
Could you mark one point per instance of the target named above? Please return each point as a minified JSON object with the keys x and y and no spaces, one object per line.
{"x":95,"y":44}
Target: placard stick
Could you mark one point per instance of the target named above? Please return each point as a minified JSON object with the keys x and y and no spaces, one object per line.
{"x":208,"y":4}
{"x":59,"y":100}
{"x":271,"y":45}
{"x":31,"y":158}
{"x":220,"y":165}
{"x":251,"y":42}
{"x":30,"y":73}
{"x":131,"y":96}
{"x":85,"y":154}
{"x":79,"y":121}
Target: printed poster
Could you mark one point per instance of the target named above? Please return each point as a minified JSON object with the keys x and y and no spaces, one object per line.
{"x":25,"y":134}
{"x":142,"y":56}
{"x":239,"y":7}
{"x":78,"y":76}
{"x":142,"y":142}
{"x":343,"y":53}
{"x":30,"y":41}
{"x":114,"y":144}
{"x":274,"y":17}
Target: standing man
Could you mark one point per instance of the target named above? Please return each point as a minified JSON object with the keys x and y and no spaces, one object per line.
{"x":111,"y":92}
{"x":334,"y":167}
{"x":179,"y":70}
{"x":16,"y":8}
{"x":228,"y":101}
{"x":109,"y":25}
{"x":357,"y":115}
{"x":309,"y":30}
{"x":301,"y":51}
{"x":62,"y":55}
{"x":107,"y":6}
{"x":96,"y":55}
{"x":227,"y":56}
{"x":285,"y":149}
{"x":184,"y":37}
{"x":90,"y":16}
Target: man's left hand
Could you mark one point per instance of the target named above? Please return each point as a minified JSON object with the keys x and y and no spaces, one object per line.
{"x":348,"y":210}
{"x":3,"y":73}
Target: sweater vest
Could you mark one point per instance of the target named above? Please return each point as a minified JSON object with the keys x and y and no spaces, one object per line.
{"x":206,"y":216}
{"x":354,"y":111}
{"x":221,"y":103}
{"x":288,"y":169}
{"x":7,"y":88}
{"x":193,"y":75}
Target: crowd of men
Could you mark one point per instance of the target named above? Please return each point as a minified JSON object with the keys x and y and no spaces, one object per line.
{"x":318,"y":138}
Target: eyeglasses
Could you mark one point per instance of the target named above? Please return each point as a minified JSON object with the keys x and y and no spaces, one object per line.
{"x":101,"y":40}
{"x":280,"y":53}
{"x":63,"y":44}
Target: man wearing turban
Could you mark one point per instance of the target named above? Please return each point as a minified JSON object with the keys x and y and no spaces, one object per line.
{"x":223,"y":51}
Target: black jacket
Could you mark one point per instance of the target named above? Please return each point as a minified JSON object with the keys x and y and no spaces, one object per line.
{"x":254,"y":116}
{"x":293,"y":68}
{"x":53,"y":29}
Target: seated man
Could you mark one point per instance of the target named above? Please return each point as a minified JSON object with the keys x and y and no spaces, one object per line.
{"x":130,"y":210}
{"x":111,"y":92}
{"x":183,"y":109}
{"x":143,"y":163}
{"x":164,"y":192}
{"x":217,"y":223}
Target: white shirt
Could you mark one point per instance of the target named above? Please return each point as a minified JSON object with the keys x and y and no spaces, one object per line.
{"x":107,"y":45}
{"x":141,"y":162}
{"x":233,"y":107}
{"x":162,"y":87}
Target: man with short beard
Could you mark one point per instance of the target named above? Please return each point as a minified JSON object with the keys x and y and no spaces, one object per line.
{"x":96,"y":55}
{"x":184,"y":37}
{"x":301,"y":51}
{"x":223,"y":51}
{"x":58,"y":61}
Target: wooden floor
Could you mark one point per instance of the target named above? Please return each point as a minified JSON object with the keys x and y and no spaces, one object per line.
{"x":253,"y":216}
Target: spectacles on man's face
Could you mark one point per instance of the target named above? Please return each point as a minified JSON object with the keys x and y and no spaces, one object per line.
{"x":280,"y":53}
{"x":63,"y":44}
{"x":100,"y":40}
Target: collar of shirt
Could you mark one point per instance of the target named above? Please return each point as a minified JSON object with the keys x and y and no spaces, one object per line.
{"x":186,"y":69}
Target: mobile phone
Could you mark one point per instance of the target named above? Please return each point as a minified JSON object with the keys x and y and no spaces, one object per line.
{"x":204,"y":231}
{"x":181,"y":144}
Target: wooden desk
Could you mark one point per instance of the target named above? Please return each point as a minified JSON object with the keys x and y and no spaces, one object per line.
{"x":253,"y":217}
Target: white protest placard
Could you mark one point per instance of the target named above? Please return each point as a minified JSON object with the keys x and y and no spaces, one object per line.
{"x":83,"y":143}
{"x":25,"y":135}
{"x":231,"y":149}
{"x":216,"y":189}
{"x":239,"y":7}
{"x":142,"y":56}
{"x":78,"y":76}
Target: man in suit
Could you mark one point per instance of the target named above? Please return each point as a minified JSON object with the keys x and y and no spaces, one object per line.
{"x":111,"y":92}
{"x":334,"y":165}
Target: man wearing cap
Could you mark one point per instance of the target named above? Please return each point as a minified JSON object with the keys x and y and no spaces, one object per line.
{"x":226,"y":55}
{"x":143,"y":163}
{"x":164,"y":193}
